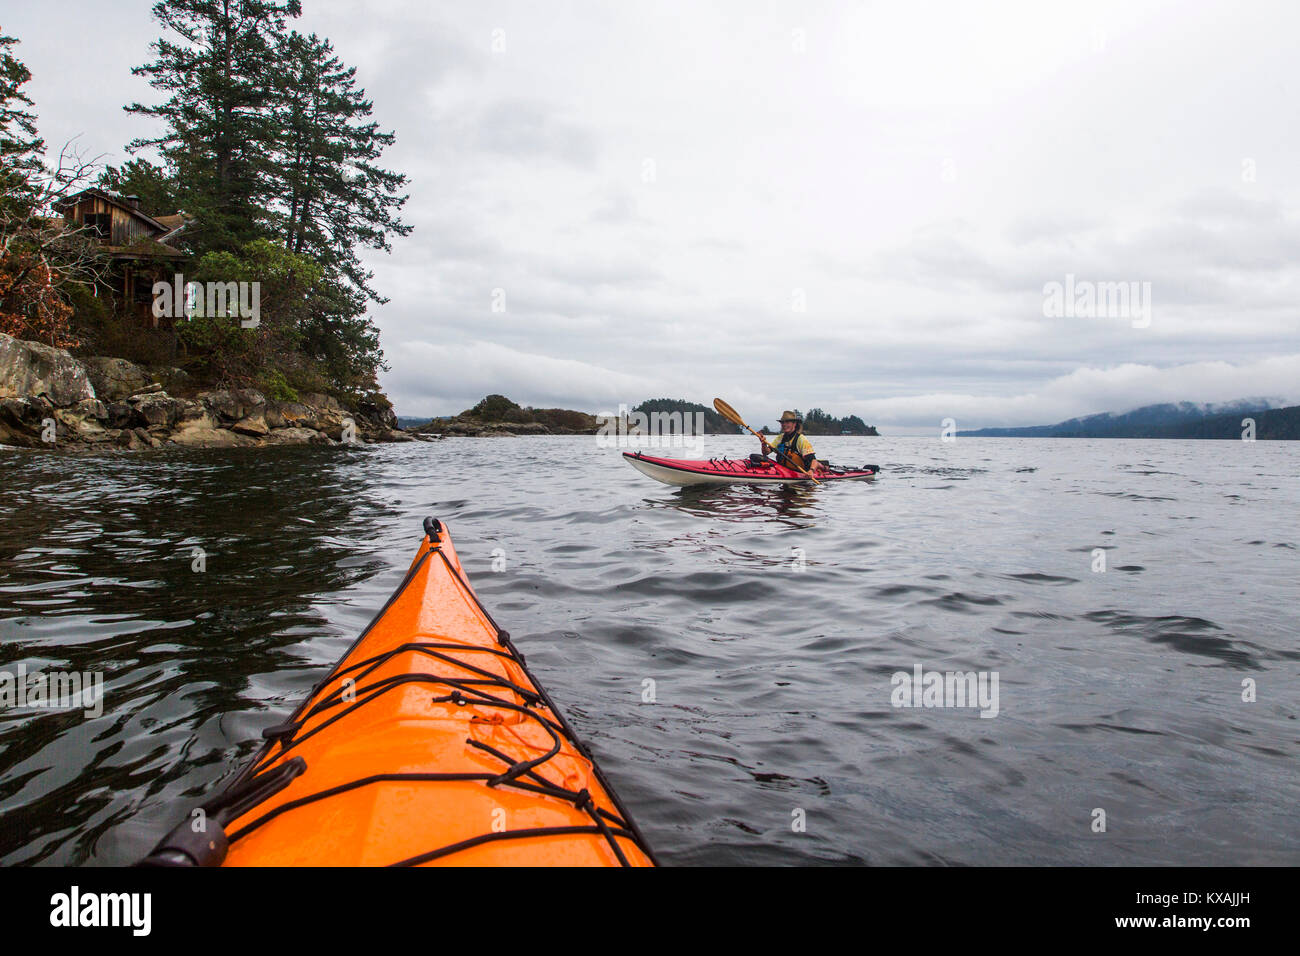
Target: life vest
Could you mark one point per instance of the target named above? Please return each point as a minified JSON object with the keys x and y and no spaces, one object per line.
{"x":790,"y":444}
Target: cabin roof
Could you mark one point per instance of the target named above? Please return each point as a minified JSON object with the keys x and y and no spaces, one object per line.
{"x":94,"y":192}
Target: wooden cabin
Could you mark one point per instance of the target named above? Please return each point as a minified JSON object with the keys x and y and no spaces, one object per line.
{"x":140,"y":245}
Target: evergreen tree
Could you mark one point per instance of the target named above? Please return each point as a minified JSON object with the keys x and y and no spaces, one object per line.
{"x":854,"y":425}
{"x":333,"y":196}
{"x":344,"y":340}
{"x":20,"y":146}
{"x":333,"y":199}
{"x":216,"y":74}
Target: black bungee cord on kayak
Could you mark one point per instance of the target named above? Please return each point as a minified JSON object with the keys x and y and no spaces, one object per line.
{"x":183,"y":847}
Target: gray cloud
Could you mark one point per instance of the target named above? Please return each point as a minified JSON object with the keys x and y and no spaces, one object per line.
{"x":526,"y":130}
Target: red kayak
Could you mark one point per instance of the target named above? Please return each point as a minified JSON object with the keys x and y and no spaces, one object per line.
{"x":725,"y":471}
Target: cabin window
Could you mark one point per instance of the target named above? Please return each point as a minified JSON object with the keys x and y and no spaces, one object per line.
{"x":99,"y":223}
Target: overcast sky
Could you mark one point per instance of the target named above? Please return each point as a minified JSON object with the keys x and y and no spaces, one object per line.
{"x":848,"y":205}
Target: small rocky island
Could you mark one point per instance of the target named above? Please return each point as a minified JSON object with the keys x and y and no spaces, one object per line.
{"x":498,"y":416}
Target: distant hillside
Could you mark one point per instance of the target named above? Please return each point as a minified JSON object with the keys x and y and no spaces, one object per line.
{"x":406,"y":421}
{"x":1276,"y":424}
{"x":1151,"y":421}
{"x":714,"y":424}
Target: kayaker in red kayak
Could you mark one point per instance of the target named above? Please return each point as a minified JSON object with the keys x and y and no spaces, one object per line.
{"x":794,"y":445}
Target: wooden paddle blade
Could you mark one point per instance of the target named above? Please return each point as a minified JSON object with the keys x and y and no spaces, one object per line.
{"x":727,"y":412}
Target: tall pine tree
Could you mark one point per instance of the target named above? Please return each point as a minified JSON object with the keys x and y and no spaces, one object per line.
{"x":334,"y":197}
{"x":20,"y":146}
{"x":217,"y":74}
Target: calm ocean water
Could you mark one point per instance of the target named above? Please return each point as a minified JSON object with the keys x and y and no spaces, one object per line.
{"x":768,"y":625}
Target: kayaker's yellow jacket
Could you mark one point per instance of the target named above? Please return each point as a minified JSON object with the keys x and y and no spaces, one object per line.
{"x":798,"y":443}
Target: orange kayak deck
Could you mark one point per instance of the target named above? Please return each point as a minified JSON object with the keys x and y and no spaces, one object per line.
{"x":429,"y":743}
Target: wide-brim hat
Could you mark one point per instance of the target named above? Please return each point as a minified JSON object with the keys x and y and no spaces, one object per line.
{"x":789,"y":416}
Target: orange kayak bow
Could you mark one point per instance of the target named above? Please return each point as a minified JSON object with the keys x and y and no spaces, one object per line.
{"x":428,"y":743}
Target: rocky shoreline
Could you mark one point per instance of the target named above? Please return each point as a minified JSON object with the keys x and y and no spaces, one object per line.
{"x":50,"y":399}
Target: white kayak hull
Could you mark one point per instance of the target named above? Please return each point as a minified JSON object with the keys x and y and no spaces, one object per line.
{"x":727,"y":472}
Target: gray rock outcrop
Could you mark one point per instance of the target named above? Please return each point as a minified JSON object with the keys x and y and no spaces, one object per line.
{"x":50,"y":399}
